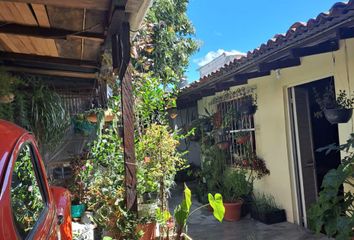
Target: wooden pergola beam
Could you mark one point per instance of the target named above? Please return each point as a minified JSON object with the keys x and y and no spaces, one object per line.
{"x":31,"y":58}
{"x":48,"y":33}
{"x":327,"y":46}
{"x":285,"y":63}
{"x":101,"y":5}
{"x":48,"y":72}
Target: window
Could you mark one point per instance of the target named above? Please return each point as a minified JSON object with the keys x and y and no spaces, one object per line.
{"x":26,"y":198}
{"x":238,"y":113}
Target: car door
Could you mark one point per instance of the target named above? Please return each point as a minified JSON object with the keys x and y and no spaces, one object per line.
{"x":33,"y":212}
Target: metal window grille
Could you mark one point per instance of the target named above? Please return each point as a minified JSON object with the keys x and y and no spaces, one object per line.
{"x":241,"y":130}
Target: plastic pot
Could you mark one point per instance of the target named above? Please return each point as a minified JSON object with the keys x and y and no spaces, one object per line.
{"x":340,"y":115}
{"x":272,"y":217}
{"x":77,"y":210}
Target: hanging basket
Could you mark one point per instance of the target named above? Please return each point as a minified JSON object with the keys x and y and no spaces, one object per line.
{"x":248,"y":109}
{"x":108,"y":116}
{"x":340,"y":115}
{"x":8,"y":98}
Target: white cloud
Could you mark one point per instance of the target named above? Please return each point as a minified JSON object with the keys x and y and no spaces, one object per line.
{"x":214,"y":54}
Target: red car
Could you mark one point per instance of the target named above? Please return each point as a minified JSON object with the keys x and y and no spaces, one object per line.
{"x":29,"y":207}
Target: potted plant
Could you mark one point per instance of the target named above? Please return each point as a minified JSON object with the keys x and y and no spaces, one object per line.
{"x":248,"y":105}
{"x":336,"y":109}
{"x":242,"y":137}
{"x":234,"y":187}
{"x":265,"y":209}
{"x":94,"y":115}
{"x":7,"y":86}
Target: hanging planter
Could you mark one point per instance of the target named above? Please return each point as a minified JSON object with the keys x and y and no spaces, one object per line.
{"x":341,"y":115}
{"x":8,"y":98}
{"x":248,"y":108}
{"x":108,"y":116}
{"x":336,"y":108}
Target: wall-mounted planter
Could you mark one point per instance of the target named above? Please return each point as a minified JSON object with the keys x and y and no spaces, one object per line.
{"x":272,"y":217}
{"x":223,"y":145}
{"x":243,"y":139}
{"x":340,"y":115}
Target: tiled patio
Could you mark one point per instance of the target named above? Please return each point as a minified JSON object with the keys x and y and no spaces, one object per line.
{"x":202,"y":225}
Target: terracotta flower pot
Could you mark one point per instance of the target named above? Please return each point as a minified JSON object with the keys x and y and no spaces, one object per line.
{"x":233,"y":211}
{"x":223,"y":145}
{"x":243,"y":139}
{"x":148,"y":229}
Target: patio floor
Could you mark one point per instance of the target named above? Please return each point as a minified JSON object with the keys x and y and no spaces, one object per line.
{"x":202,"y":225}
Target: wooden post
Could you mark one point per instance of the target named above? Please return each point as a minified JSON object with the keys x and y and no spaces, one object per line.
{"x":128,"y":141}
{"x":121,"y":59}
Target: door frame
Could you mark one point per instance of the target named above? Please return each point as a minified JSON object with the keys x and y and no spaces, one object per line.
{"x":296,"y":165}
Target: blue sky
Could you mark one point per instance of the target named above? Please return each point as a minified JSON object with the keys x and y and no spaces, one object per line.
{"x":242,"y":25}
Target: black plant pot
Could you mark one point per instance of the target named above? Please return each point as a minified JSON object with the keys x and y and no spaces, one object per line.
{"x":339,"y":115}
{"x":207,"y":127}
{"x":276,"y":216}
{"x":248,"y":109}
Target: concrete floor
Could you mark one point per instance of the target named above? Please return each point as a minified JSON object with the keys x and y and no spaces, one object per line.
{"x":202,"y":226}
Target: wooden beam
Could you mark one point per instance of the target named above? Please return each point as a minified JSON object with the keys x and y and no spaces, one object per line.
{"x":221,"y":87}
{"x":128,"y":142}
{"x":290,"y":62}
{"x":208,"y":92}
{"x":251,"y":75}
{"x":19,"y":57}
{"x":47,"y":72}
{"x":327,"y":46}
{"x":101,"y":5}
{"x":345,"y":33}
{"x":120,"y":65}
{"x":185,"y":103}
{"x":47,"y":33}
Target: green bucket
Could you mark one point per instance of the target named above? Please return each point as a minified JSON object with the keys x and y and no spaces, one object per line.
{"x":77,"y":210}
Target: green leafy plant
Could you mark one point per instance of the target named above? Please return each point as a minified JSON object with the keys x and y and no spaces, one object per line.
{"x":182,"y":211}
{"x":328,"y":99}
{"x":158,"y":161}
{"x":8,"y":83}
{"x":264,"y":203}
{"x":235,"y":185}
{"x":333,"y":211}
{"x":103,"y":178}
{"x":37,"y":109}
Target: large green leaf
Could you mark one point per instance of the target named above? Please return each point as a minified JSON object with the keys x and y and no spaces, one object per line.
{"x":181,"y":212}
{"x":218,"y":206}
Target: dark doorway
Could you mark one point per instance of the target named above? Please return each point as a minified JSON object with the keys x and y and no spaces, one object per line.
{"x":312,"y":131}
